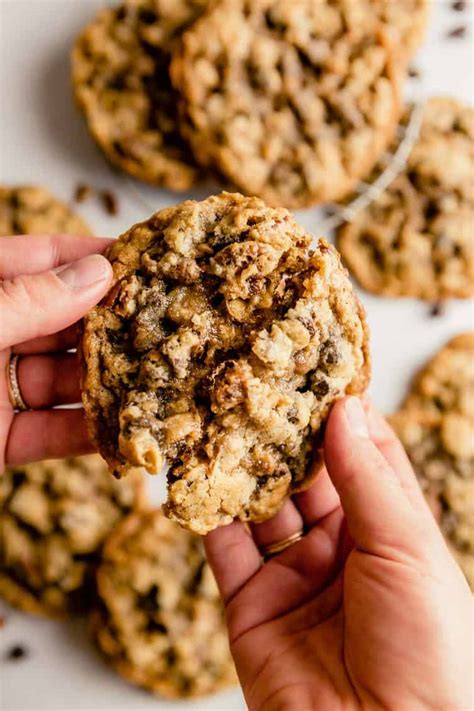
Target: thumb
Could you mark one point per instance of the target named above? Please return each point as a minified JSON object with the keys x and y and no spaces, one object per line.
{"x":378,"y":512}
{"x":42,"y":304}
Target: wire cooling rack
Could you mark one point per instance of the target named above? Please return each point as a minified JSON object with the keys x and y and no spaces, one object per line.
{"x":395,"y":162}
{"x":366,"y":193}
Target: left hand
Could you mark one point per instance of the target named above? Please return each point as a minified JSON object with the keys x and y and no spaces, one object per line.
{"x":46,"y":285}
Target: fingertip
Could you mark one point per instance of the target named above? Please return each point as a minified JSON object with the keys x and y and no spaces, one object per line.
{"x":91,"y":271}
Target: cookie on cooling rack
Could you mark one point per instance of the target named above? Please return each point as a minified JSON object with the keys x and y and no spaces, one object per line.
{"x":291,"y":101}
{"x":121,"y":84}
{"x":436,"y":426}
{"x":221,"y":347}
{"x":54,"y":517}
{"x":160,"y":621}
{"x":33,"y":210}
{"x":416,"y":239}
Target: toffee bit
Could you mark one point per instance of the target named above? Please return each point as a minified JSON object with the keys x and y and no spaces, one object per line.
{"x":459,"y":5}
{"x":83,"y":192}
{"x":458,"y":32}
{"x":16,"y":652}
{"x":109,"y":201}
{"x":438,"y":309}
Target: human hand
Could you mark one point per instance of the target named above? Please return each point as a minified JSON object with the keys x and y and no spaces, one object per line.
{"x":369,"y":610}
{"x":46,"y":285}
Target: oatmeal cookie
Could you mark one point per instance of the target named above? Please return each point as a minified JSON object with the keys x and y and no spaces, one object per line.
{"x":221,"y":347}
{"x":293,"y":102}
{"x":161,"y":620}
{"x":54,"y":517}
{"x":436,"y":426}
{"x":33,"y":210}
{"x":406,"y":22}
{"x":417,"y":238}
{"x":121,"y":83}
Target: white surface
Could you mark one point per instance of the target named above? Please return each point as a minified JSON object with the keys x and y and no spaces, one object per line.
{"x":43,"y":140}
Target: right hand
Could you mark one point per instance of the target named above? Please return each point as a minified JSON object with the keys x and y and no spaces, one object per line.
{"x":369,"y":610}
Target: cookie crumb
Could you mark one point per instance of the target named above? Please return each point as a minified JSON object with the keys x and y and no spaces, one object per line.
{"x":109,"y":201}
{"x":438,"y":309}
{"x":414,"y":73}
{"x":16,"y":652}
{"x":459,"y":5}
{"x":83,"y":192}
{"x":458,"y":32}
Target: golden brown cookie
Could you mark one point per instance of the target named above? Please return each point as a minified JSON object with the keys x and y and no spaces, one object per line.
{"x":436,"y":426}
{"x":161,"y":620}
{"x":417,"y":238}
{"x":121,"y":83}
{"x":291,"y":101}
{"x":33,"y":210}
{"x":220,"y":348}
{"x":405,"y":22}
{"x":54,"y":517}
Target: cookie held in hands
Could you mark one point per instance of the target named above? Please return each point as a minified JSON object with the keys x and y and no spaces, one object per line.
{"x":220,"y":348}
{"x":159,"y":619}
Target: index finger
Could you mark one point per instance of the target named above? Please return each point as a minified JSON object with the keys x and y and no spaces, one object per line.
{"x":33,"y":254}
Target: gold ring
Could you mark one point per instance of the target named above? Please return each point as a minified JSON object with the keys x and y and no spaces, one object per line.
{"x":273,"y":549}
{"x":13,"y":388}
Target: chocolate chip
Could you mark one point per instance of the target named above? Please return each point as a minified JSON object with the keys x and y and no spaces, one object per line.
{"x":438,"y":309}
{"x":414,"y":73}
{"x":457,"y":32}
{"x":16,"y":652}
{"x":109,"y":201}
{"x":459,"y":5}
{"x":82,"y":193}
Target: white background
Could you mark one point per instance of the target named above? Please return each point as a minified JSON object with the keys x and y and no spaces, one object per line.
{"x":43,"y":140}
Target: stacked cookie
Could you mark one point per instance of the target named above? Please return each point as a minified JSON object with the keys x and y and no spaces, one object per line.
{"x":436,"y":425}
{"x":292,"y":102}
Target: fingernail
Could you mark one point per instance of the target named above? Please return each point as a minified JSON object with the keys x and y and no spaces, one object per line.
{"x":356,"y":416}
{"x":84,"y":272}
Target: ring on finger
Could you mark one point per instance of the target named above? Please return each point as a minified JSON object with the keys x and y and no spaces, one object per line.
{"x":13,"y":387}
{"x":272,"y":549}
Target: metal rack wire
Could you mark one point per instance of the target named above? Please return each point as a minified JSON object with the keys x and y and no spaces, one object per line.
{"x":369,"y":192}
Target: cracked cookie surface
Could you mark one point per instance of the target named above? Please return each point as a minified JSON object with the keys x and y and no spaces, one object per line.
{"x":293,"y":102}
{"x":34,"y":210}
{"x":121,"y":83}
{"x":161,"y":620}
{"x":416,"y":239}
{"x":54,"y":517}
{"x":221,"y":347}
{"x":436,"y":426}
